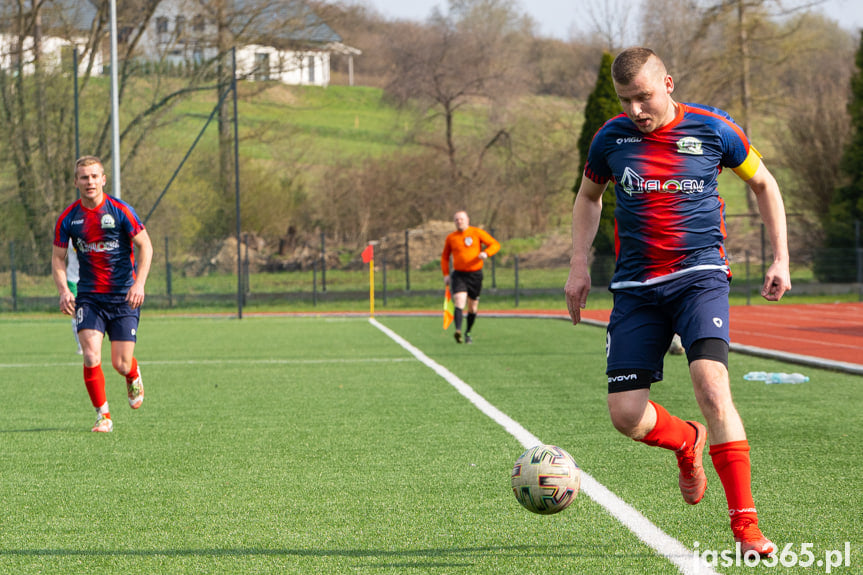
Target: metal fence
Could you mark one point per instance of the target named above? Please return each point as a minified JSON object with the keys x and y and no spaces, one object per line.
{"x":399,"y":274}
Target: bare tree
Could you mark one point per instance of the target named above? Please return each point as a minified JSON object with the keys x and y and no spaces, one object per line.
{"x":472,"y":55}
{"x":814,"y":125}
{"x":613,"y":21}
{"x":36,"y":115}
{"x":731,"y":53}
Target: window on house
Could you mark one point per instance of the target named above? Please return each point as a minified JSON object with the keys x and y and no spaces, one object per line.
{"x":262,"y":67}
{"x":311,"y":63}
{"x":123,"y":34}
{"x":180,"y":26}
{"x":162,"y":30}
{"x":198,"y":23}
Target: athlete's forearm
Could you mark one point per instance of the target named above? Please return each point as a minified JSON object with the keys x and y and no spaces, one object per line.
{"x":58,"y":270}
{"x":586,"y":213}
{"x":145,"y":257}
{"x":772,"y":210}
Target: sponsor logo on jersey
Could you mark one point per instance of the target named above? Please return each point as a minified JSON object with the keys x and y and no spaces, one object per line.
{"x":97,"y":247}
{"x":108,"y":222}
{"x":629,"y":140}
{"x":633,"y":183}
{"x":77,"y":222}
{"x":468,"y":241}
{"x":690,"y":145}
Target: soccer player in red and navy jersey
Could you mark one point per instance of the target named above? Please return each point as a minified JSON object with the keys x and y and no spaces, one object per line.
{"x":104,"y":231}
{"x":671,"y":273}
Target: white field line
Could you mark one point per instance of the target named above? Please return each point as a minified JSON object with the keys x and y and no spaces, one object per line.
{"x":667,"y":546}
{"x":226,"y":362}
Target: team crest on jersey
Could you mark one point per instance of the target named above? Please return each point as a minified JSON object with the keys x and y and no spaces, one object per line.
{"x":108,"y":222}
{"x":690,"y":145}
{"x":468,"y":241}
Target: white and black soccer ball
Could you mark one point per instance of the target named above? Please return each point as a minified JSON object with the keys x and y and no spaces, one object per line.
{"x":545,"y":479}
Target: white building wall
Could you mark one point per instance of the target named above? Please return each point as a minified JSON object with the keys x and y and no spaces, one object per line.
{"x":285,"y":66}
{"x":308,"y":68}
{"x":52,"y":54}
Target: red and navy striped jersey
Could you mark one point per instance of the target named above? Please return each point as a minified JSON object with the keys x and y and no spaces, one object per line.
{"x":669,"y":217}
{"x":103,"y":239}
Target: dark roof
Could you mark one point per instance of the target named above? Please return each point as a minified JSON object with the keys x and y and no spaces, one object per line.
{"x":69,"y":15}
{"x":284,"y":22}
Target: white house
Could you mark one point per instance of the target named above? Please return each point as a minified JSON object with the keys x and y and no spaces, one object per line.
{"x":276,"y":39}
{"x":61,"y":31}
{"x":56,"y":54}
{"x":281,"y":40}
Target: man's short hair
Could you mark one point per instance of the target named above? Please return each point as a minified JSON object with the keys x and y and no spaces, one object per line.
{"x":629,"y":63}
{"x":85,"y":161}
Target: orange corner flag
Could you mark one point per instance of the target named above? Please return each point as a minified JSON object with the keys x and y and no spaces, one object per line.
{"x":448,"y":309}
{"x":368,"y":254}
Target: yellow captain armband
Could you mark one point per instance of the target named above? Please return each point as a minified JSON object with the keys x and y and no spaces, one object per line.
{"x":750,"y":165}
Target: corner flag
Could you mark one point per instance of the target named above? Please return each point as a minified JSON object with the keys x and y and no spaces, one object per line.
{"x":448,"y":309}
{"x":368,"y":256}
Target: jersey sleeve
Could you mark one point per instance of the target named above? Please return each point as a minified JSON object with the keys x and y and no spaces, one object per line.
{"x":444,"y":257}
{"x":749,"y":166}
{"x":492,"y":245}
{"x":737,"y":153}
{"x":596,"y":167}
{"x":61,"y":233}
{"x":132,"y":222}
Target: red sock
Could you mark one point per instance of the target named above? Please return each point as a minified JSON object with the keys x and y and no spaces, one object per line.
{"x":670,"y":432}
{"x":731,"y":461}
{"x":133,"y":371}
{"x":94,"y":379}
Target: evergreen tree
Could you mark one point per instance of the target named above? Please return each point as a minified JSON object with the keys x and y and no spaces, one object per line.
{"x":837,"y":260}
{"x":602,"y":104}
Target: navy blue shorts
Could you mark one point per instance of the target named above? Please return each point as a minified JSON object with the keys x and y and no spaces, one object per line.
{"x":470,"y":282}
{"x":644,"y":320}
{"x":109,"y":314}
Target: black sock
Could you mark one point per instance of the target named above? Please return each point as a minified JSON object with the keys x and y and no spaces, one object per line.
{"x":471,"y":317}
{"x":457,"y":317}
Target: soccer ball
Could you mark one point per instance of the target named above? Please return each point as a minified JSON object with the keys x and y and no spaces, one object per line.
{"x":545,"y":479}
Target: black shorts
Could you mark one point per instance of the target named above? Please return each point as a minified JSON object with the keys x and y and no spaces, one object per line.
{"x":471,"y":282}
{"x":110,"y":315}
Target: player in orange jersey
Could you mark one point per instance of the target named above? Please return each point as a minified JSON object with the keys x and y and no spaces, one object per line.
{"x":469,"y":248}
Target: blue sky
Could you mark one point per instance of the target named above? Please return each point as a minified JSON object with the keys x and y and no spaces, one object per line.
{"x":557,"y":17}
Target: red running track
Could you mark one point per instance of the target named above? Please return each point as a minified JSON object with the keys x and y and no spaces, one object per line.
{"x":828,"y":331}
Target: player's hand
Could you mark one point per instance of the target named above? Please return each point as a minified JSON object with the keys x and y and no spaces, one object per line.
{"x":577,"y":288}
{"x":446,"y":280}
{"x":483,"y":255}
{"x":135,"y":296}
{"x":67,"y":303}
{"x":777,"y":281}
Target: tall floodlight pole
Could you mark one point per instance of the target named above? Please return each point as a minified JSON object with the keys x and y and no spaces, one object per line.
{"x":115,"y":107}
{"x":75,"y":87}
{"x":237,"y":183}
